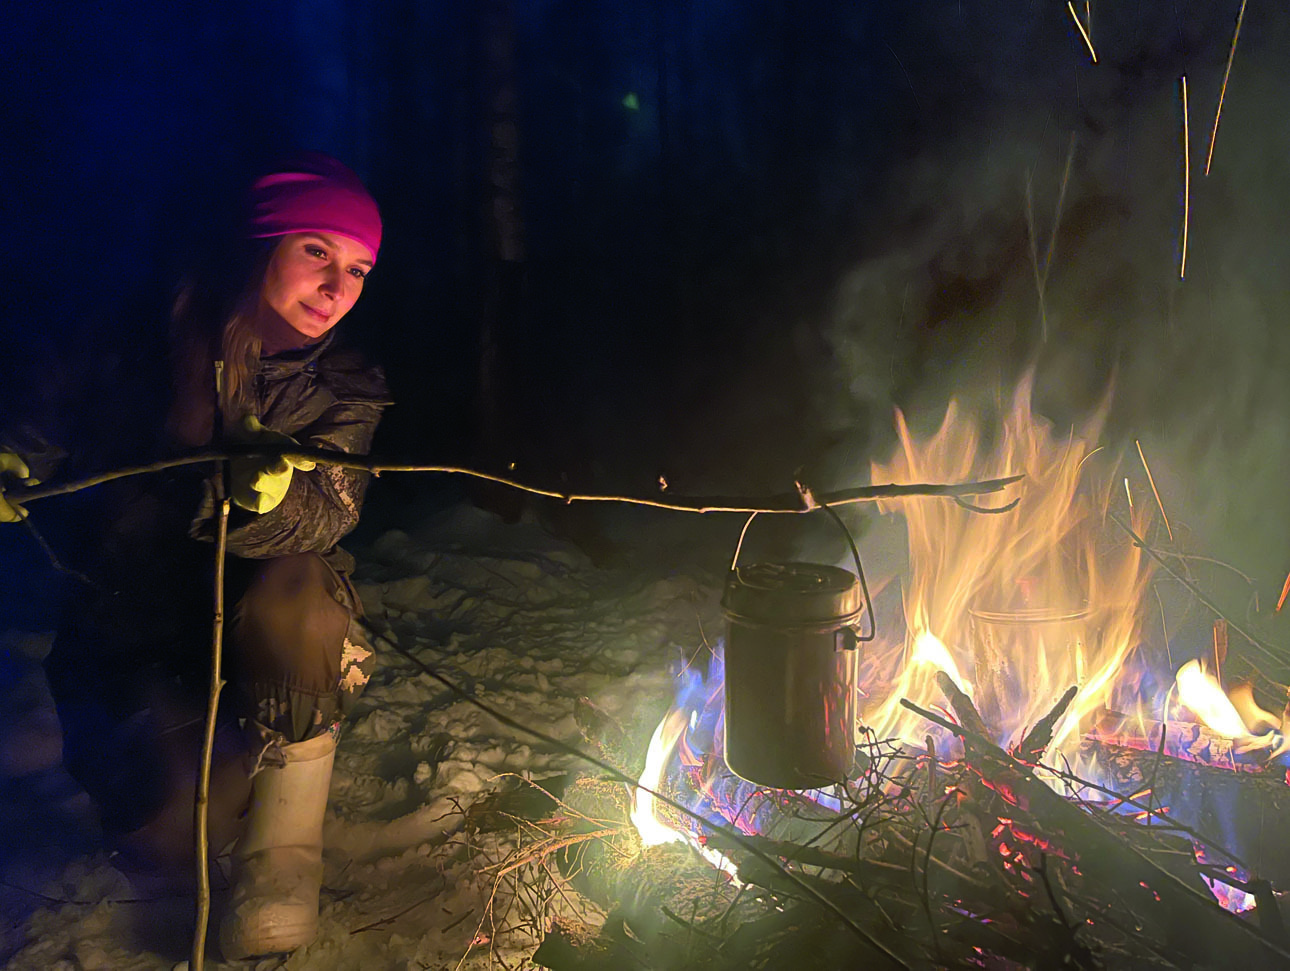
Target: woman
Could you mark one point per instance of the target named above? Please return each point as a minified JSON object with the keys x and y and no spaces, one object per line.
{"x":257,"y":362}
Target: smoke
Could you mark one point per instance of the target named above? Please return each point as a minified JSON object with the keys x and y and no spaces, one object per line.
{"x":946,"y":303}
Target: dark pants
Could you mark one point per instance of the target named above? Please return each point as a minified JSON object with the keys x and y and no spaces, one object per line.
{"x":298,"y":659}
{"x":132,"y":712}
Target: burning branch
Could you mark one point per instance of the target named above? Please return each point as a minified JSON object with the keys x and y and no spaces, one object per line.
{"x":1194,"y":924}
{"x":1033,"y":745}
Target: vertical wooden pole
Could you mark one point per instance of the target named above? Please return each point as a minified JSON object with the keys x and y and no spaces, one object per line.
{"x":197,"y":961}
{"x":200,"y":819}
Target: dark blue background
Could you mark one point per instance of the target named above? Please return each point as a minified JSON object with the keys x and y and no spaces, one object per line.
{"x":751,"y":228}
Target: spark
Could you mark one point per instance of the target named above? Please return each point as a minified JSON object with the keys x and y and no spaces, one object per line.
{"x":1087,"y":457}
{"x":1152,"y":479}
{"x":1231,"y":55}
{"x":1041,"y":279}
{"x":1057,"y":213}
{"x":1284,"y":591}
{"x":1128,"y":493}
{"x":1182,"y":266}
{"x":1165,"y":628}
{"x":1088,"y":42}
{"x":1220,"y":648}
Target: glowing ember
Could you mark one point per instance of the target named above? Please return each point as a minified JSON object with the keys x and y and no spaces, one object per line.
{"x":1232,"y":898}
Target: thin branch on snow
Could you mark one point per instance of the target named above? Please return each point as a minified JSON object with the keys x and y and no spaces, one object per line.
{"x":728,"y":833}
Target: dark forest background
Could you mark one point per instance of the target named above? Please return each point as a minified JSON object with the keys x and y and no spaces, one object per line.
{"x":713,"y":241}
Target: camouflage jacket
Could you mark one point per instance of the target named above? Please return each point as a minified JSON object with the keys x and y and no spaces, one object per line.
{"x":323,"y":397}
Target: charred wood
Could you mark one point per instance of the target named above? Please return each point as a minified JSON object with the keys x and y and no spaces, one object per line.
{"x":1188,"y":925}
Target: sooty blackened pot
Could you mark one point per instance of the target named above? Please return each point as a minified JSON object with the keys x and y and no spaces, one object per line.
{"x":791,"y":662}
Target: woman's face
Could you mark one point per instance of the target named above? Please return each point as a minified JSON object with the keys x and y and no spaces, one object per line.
{"x":312,"y":281}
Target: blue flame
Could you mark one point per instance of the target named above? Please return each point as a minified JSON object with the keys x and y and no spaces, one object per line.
{"x":699,"y":777}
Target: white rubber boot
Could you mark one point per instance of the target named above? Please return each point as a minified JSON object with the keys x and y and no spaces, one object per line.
{"x":277,"y":866}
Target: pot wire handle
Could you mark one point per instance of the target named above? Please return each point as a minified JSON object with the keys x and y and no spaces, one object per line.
{"x":864,"y":584}
{"x":855,"y":553}
{"x":734,"y":561}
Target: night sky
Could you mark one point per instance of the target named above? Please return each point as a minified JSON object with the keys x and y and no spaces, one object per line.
{"x":749,"y":228}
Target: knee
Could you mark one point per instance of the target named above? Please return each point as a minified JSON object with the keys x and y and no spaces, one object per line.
{"x":284,"y":579}
{"x":289,"y":626}
{"x":289,"y":593}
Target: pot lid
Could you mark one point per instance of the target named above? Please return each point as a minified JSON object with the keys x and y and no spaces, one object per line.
{"x":793,"y":593}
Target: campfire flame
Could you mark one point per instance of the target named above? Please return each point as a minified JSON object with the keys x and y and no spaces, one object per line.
{"x":653,"y":831}
{"x":1027,"y":602}
{"x":1015,"y":607}
{"x":1200,"y":692}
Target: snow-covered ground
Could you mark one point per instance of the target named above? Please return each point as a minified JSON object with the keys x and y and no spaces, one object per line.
{"x":414,"y":877}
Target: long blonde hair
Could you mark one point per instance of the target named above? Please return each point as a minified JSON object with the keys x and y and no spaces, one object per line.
{"x":208,"y":326}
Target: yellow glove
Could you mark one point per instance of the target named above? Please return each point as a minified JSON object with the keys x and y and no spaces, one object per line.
{"x":11,"y":464}
{"x":259,"y":484}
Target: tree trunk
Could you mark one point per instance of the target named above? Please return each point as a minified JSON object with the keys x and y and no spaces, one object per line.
{"x":504,"y":259}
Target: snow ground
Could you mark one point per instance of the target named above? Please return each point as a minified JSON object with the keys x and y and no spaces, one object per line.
{"x":524,"y":621}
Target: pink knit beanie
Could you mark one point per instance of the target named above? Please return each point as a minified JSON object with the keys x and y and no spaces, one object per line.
{"x":314,"y":193}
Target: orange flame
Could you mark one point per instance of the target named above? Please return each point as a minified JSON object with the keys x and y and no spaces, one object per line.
{"x":1201,"y":692}
{"x":1027,"y":602}
{"x":653,"y":829}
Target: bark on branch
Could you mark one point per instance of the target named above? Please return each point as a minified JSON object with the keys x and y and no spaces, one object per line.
{"x":787,"y":502}
{"x":197,"y":960}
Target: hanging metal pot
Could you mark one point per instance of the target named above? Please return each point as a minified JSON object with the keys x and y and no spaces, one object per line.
{"x":791,"y":663}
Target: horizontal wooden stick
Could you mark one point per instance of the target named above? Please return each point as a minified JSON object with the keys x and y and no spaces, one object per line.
{"x":795,"y":502}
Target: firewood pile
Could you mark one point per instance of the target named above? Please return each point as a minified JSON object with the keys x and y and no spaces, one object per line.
{"x":979,"y":859}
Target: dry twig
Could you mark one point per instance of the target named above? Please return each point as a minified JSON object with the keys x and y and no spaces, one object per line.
{"x":1270,"y":653}
{"x":1156,"y":492}
{"x":733,"y":835}
{"x":200,"y":819}
{"x":782,"y":503}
